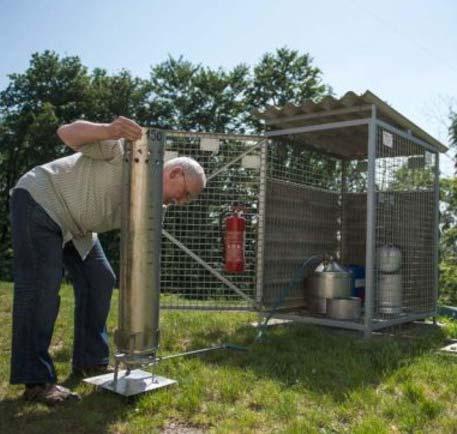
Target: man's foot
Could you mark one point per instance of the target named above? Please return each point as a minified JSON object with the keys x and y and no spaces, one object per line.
{"x":50,"y":394}
{"x":92,"y":371}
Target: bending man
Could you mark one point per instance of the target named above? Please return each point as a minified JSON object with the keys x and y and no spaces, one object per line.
{"x":57,"y":209}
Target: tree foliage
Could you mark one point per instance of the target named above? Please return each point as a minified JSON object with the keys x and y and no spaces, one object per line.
{"x":453,"y":134}
{"x":448,"y":247}
{"x":285,"y":77}
{"x":282,"y":77}
{"x":51,"y":92}
{"x":178,"y":95}
{"x":448,"y":227}
{"x":193,"y":97}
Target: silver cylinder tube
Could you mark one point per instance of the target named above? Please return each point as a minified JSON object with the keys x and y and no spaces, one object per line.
{"x":141,"y":227}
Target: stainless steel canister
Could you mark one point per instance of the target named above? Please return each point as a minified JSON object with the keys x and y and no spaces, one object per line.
{"x":389,"y":258}
{"x":344,"y":308}
{"x":390,"y":293}
{"x":329,"y":280}
{"x":141,"y":233}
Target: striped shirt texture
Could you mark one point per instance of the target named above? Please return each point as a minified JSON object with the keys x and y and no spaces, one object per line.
{"x":81,"y":193}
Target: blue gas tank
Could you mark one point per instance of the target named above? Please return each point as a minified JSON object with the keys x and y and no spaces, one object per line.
{"x":358,"y":280}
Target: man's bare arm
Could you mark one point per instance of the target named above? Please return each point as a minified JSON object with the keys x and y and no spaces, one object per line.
{"x":80,"y":133}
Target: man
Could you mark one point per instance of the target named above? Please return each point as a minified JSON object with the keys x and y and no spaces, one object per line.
{"x":57,"y":209}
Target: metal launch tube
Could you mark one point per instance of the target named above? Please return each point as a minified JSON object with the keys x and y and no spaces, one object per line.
{"x":141,"y":237}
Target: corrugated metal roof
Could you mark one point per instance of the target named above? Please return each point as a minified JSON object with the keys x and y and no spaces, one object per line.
{"x":349,"y":107}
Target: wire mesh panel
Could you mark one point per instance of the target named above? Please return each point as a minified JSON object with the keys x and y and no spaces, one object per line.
{"x":318,"y":204}
{"x":300,"y":202}
{"x":354,"y":213}
{"x":354,"y":229}
{"x":405,"y":227}
{"x":195,"y":232}
{"x":302,"y":216}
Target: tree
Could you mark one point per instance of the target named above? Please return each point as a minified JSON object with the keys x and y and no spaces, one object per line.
{"x":53,"y":91}
{"x":282,"y":77}
{"x":448,"y":241}
{"x":453,"y":133}
{"x":193,"y":97}
{"x":448,"y":228}
{"x":120,"y":94}
{"x":177,"y":95}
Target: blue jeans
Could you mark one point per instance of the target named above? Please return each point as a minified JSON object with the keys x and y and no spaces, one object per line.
{"x":38,"y":269}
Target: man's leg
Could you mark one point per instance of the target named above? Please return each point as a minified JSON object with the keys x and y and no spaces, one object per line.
{"x":37,"y":244}
{"x":93,"y":281}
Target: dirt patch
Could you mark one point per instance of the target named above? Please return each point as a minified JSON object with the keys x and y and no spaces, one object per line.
{"x":177,"y":428}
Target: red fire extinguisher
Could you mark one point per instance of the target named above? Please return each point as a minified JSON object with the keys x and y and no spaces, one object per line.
{"x":234,"y":240}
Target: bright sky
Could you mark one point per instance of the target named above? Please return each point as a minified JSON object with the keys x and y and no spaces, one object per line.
{"x":405,"y":51}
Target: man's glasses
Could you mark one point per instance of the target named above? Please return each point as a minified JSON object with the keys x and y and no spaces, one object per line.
{"x":189,"y":195}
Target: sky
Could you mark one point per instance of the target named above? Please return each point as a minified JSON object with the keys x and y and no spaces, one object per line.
{"x":405,"y":51}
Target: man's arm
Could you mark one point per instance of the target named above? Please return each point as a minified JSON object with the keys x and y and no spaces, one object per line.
{"x":80,"y":133}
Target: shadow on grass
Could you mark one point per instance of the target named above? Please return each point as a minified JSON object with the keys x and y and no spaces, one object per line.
{"x":93,"y":414}
{"x":324,"y":360}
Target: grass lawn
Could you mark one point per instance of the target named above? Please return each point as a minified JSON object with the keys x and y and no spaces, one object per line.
{"x":303,"y":379}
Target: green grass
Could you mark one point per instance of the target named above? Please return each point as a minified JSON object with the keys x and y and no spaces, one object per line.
{"x":302,"y":379}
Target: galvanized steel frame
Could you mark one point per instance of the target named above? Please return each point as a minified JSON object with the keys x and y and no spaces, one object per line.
{"x":406,"y":135}
{"x":437,"y":229}
{"x":261,"y":142}
{"x":261,"y":225}
{"x":320,"y":127}
{"x":369,"y":324}
{"x":412,"y":317}
{"x":310,"y":116}
{"x":371,"y":223}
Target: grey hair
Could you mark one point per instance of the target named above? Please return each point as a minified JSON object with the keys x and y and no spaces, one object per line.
{"x":192,"y":169}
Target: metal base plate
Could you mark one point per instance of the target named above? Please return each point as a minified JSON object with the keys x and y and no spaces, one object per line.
{"x":272,"y":322}
{"x":451,"y":349}
{"x":136,"y":382}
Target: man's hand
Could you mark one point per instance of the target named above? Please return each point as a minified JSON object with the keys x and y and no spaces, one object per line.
{"x":81,"y":132}
{"x":124,"y":128}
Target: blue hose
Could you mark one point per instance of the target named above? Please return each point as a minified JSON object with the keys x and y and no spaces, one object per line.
{"x":298,"y":278}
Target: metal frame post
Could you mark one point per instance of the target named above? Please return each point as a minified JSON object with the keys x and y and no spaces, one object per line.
{"x":344,"y":165}
{"x":371,"y":224}
{"x":156,"y":148}
{"x":437,"y":229}
{"x":261,"y":224}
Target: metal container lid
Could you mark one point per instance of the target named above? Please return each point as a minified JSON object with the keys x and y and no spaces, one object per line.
{"x":330,"y":266}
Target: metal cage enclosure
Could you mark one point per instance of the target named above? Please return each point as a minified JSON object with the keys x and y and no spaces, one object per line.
{"x":341,"y":177}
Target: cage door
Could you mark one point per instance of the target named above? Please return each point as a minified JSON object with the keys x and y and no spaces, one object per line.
{"x":195,"y":274}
